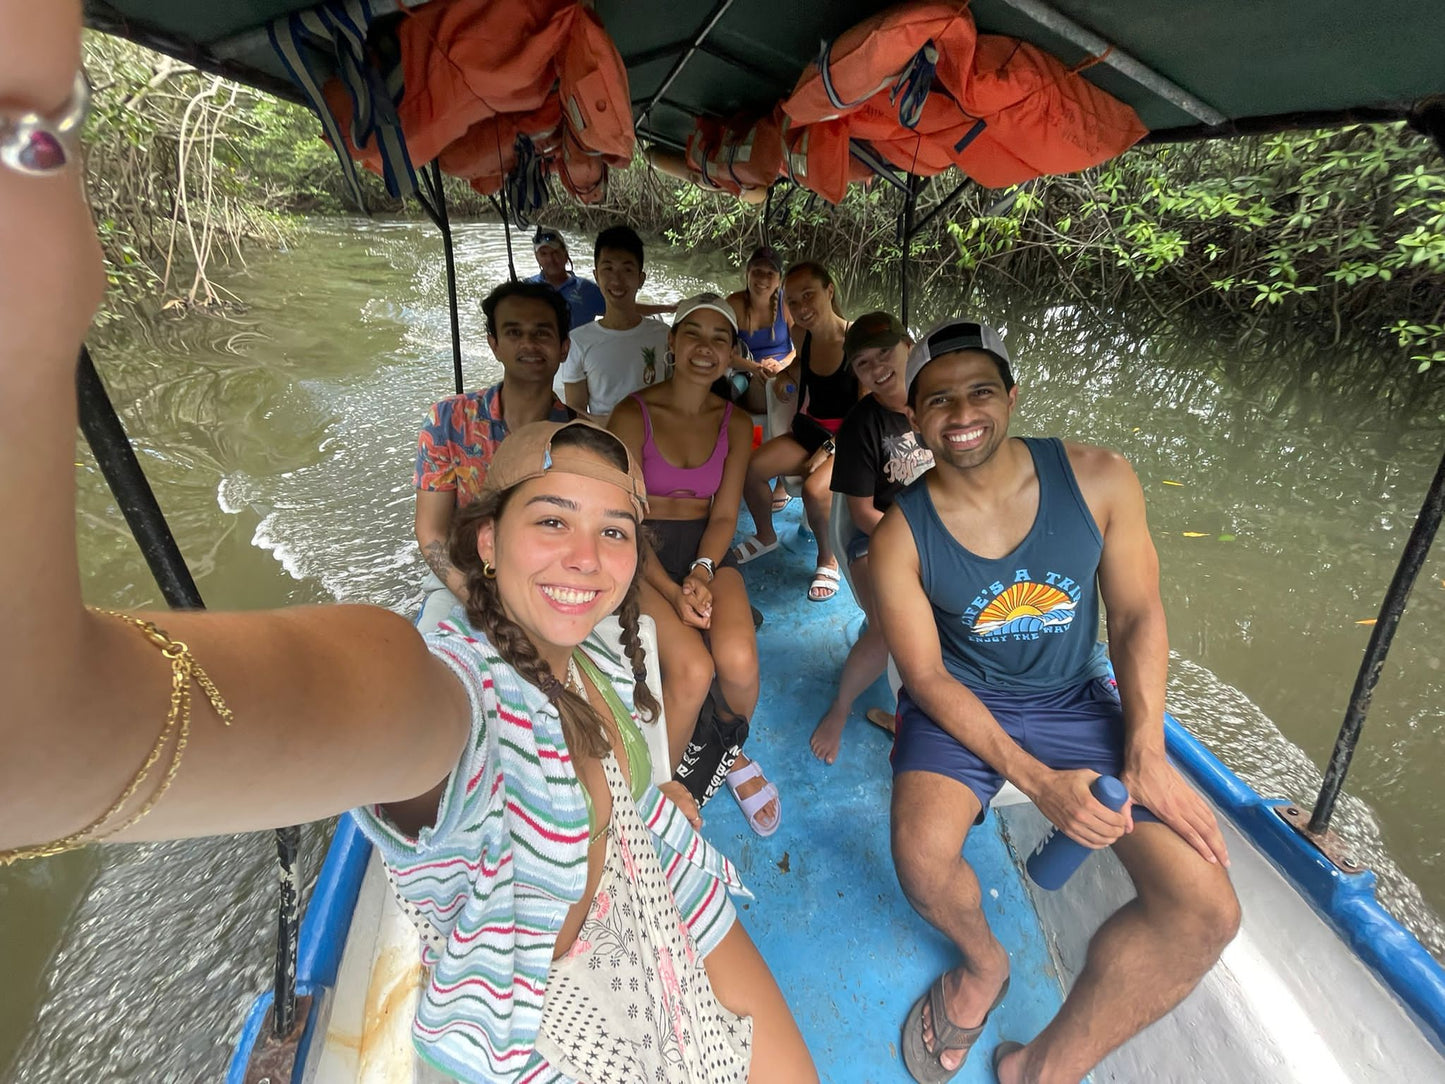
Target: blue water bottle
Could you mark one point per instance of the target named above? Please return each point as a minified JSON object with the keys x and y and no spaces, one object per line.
{"x":1057,"y":856}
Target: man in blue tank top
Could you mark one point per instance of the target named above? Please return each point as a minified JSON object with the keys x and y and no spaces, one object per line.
{"x":989,"y":572}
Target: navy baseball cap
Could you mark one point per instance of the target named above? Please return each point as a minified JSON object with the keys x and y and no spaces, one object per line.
{"x":957,"y":334}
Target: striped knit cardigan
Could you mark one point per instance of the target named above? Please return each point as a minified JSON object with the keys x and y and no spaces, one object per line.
{"x":505,"y":861}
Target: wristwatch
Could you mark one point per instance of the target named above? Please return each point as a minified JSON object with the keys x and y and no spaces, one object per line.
{"x":704,"y":562}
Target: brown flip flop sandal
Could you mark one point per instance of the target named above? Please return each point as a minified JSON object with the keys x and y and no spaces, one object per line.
{"x":924,"y":1065}
{"x":882,"y":719}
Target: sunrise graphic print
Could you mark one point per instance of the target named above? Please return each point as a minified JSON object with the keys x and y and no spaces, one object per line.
{"x":1025,"y":607}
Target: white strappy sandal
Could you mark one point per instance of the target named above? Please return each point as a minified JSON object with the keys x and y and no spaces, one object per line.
{"x":824,"y":579}
{"x":768,"y":792}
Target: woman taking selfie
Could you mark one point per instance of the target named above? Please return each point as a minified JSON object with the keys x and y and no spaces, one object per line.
{"x":289,"y":716}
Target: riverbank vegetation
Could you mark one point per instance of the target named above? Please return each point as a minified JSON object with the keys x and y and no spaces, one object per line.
{"x":1333,"y":237}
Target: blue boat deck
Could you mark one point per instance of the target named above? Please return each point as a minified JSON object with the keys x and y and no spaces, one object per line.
{"x":849,"y":952}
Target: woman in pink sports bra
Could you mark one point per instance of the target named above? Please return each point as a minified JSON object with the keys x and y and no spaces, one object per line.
{"x":692,"y":587}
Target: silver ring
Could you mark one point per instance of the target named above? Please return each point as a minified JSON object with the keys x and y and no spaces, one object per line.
{"x":41,"y":146}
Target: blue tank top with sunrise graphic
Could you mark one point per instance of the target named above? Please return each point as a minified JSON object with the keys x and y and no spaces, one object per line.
{"x":1027,"y":621}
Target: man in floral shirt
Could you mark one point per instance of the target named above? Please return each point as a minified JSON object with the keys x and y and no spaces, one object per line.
{"x":527,"y":329}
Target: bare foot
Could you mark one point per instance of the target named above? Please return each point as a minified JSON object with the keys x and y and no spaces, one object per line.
{"x":967,"y":1007}
{"x":767,"y":816}
{"x":1011,"y":1067}
{"x":828,"y":735}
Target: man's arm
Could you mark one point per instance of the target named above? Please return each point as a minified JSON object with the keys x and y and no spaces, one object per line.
{"x":434,"y":509}
{"x":576,"y":396}
{"x":1139,"y":646}
{"x":573,"y":374}
{"x":855,"y":472}
{"x":908,"y":626}
{"x":866,"y":516}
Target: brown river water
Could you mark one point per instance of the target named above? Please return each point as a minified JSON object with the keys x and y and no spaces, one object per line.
{"x":1281,"y":488}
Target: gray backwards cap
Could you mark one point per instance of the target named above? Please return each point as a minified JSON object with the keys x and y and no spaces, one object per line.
{"x":957,"y":334}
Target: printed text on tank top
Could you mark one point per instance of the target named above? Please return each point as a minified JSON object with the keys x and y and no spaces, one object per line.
{"x":825,"y":397}
{"x":664,"y":479}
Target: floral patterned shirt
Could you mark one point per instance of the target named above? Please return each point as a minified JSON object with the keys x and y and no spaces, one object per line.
{"x":458,"y":439}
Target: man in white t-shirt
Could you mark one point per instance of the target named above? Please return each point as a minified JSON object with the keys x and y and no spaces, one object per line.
{"x":614,"y":356}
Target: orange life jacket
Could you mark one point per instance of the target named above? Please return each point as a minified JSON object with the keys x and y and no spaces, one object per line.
{"x":1000,"y":109}
{"x":676,"y":165}
{"x":465,"y":61}
{"x":581,"y":173}
{"x":747,"y":153}
{"x":702,"y":146}
{"x":595,"y":96}
{"x":478,"y":74}
{"x":488,"y":150}
{"x":865,"y":62}
{"x":818,"y":158}
{"x":1040,"y":116}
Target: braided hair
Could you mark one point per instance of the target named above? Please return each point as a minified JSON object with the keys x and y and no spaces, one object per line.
{"x":584,"y":731}
{"x":773,"y":301}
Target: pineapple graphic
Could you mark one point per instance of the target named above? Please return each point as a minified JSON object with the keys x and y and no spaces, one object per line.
{"x":649,"y":365}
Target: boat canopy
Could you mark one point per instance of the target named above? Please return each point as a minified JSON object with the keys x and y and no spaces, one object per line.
{"x":1189,"y":68}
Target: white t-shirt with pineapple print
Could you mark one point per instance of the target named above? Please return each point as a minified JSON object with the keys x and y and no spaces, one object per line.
{"x":616,"y":363}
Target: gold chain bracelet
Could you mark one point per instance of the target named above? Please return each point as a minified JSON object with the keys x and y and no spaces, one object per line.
{"x":184,"y":670}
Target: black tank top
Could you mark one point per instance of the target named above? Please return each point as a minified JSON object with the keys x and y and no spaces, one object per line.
{"x":827,"y":398}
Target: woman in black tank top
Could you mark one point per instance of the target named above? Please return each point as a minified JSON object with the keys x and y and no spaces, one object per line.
{"x":827,"y":390}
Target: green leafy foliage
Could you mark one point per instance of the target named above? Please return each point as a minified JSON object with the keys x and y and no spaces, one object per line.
{"x":1339,"y":234}
{"x":1331,"y":236}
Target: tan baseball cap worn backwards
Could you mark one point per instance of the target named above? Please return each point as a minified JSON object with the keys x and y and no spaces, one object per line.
{"x":528,"y":453}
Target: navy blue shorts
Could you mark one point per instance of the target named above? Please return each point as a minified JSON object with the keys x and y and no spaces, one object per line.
{"x":1081,"y":726}
{"x":857,"y":545}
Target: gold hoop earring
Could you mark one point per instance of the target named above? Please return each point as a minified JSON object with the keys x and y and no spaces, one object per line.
{"x":489,"y":570}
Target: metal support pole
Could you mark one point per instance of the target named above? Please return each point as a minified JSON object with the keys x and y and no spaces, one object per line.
{"x":702,"y":32}
{"x":942,"y":205}
{"x":117,"y":461}
{"x":1418,"y":545}
{"x":122,"y":470}
{"x":288,"y":932}
{"x":910,"y":202}
{"x":1428,"y":118}
{"x":434,"y":202}
{"x":1119,"y":60}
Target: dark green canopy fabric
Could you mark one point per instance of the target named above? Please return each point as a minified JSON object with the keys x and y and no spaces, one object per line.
{"x":1257,"y":63}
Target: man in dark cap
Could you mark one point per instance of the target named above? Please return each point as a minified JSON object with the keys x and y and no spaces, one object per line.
{"x":878,"y":455}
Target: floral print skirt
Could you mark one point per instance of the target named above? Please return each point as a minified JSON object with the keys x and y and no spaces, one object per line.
{"x":630,"y":1002}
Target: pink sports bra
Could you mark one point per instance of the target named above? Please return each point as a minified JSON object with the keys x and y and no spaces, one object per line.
{"x":665,"y":480}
